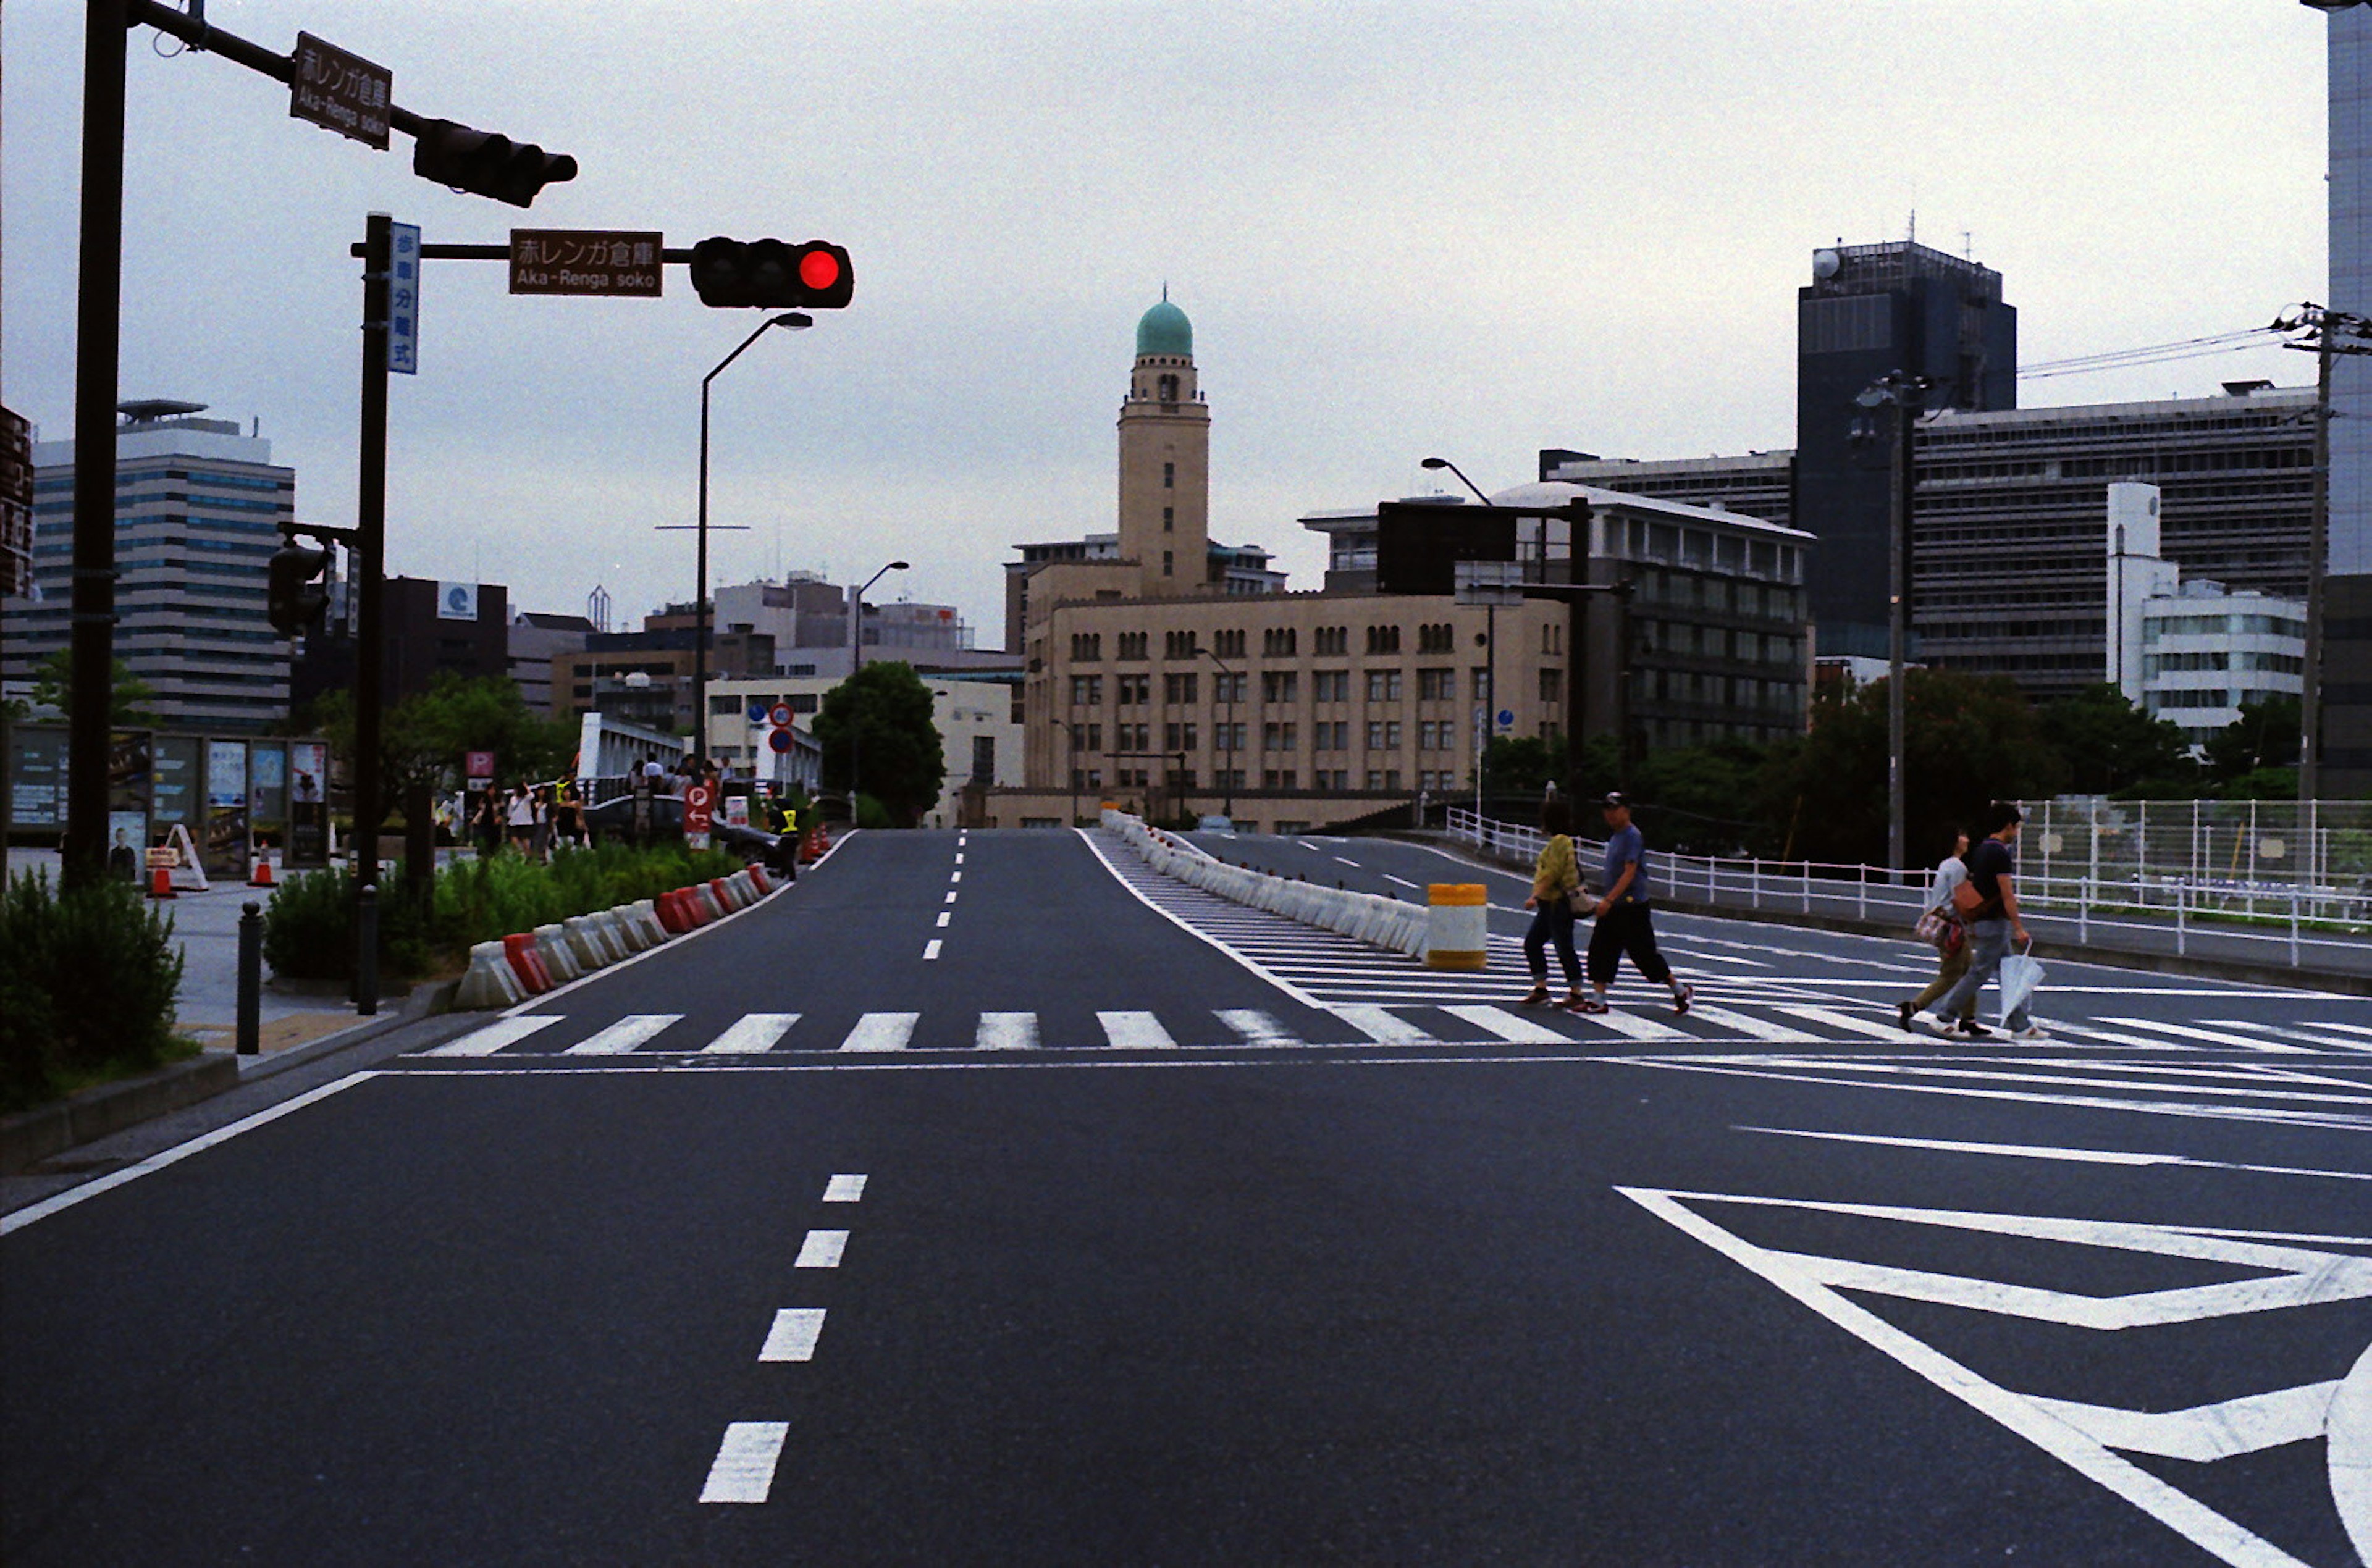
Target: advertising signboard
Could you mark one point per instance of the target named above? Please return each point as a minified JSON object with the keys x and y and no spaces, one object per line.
{"x":309,"y":806}
{"x":225,"y":841}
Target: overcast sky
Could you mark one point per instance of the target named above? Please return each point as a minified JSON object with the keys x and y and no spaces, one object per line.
{"x":1473,"y":229}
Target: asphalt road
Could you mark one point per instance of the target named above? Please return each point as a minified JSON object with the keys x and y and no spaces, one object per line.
{"x":987,"y":1200}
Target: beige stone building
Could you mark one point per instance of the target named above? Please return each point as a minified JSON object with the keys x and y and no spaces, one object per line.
{"x":1180,"y":693}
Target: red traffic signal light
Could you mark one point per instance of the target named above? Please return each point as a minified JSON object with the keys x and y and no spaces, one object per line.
{"x":486,"y":165}
{"x":772,"y":274}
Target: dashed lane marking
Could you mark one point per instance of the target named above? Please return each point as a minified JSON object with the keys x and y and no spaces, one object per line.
{"x":744,"y":1469}
{"x":847,"y":1188}
{"x":793,"y":1334}
{"x":931,"y":949}
{"x":821,"y":1249}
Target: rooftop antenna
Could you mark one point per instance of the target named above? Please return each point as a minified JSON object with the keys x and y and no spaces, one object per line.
{"x":1968,"y":245}
{"x":1913,"y":237}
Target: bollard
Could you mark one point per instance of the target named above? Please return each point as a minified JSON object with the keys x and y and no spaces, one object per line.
{"x":1457,"y":925}
{"x":250,"y":978}
{"x":366,"y":952}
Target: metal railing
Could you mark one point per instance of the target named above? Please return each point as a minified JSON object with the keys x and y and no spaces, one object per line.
{"x":2077,"y":888}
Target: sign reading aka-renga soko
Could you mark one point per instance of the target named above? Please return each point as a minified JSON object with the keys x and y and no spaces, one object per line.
{"x":587,"y":260}
{"x":339,"y":91}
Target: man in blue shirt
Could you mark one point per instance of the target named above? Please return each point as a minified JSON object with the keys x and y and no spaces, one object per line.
{"x":1622,"y":922}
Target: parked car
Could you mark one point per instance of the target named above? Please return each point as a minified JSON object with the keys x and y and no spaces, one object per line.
{"x":615,"y":820}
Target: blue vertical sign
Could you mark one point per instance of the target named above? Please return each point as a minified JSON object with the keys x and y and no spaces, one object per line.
{"x":403,"y":299}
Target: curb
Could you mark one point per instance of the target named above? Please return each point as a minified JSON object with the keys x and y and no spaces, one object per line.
{"x":45,"y":1132}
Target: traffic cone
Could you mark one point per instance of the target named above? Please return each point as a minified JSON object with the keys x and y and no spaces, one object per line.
{"x":160,"y":883}
{"x":262,"y":876}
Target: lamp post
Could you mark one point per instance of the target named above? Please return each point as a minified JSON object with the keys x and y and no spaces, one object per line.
{"x":1490,"y":650}
{"x":791,"y":320}
{"x":1905,"y":394}
{"x":856,"y":663}
{"x":1228,"y":807}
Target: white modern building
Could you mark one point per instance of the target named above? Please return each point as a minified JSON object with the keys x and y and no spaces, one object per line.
{"x":979,"y":733}
{"x":199,"y":509}
{"x":2191,"y":652}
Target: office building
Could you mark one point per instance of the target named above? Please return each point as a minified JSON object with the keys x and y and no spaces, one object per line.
{"x":199,"y":509}
{"x":16,"y":506}
{"x":535,"y":639}
{"x":2008,"y":575}
{"x":1871,"y":311}
{"x":2345,"y":690}
{"x":433,"y":628}
{"x":2190,"y":650}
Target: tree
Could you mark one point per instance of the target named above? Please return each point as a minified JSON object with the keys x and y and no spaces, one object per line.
{"x":54,"y":688}
{"x":882,"y":716}
{"x":2109,"y":745}
{"x":425,"y":734}
{"x":2266,"y":735}
{"x":1969,"y":741}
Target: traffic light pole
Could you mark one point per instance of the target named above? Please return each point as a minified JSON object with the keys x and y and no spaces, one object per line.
{"x":370,"y":553}
{"x":98,"y":328}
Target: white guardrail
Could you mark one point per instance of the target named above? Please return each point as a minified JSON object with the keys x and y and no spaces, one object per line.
{"x":1364,"y":917}
{"x":2186,"y":910}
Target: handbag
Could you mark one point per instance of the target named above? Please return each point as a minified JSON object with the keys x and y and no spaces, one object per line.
{"x":1579,"y":901}
{"x":1968,"y":900}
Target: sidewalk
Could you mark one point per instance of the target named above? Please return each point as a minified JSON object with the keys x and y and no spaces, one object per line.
{"x":205,"y":926}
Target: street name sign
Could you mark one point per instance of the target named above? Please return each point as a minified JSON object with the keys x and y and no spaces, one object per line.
{"x":587,"y":262}
{"x":403,"y":298}
{"x":339,"y":92}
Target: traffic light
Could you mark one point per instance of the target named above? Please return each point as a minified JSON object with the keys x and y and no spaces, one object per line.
{"x":293,"y":600}
{"x":486,"y":165}
{"x":772,"y":274}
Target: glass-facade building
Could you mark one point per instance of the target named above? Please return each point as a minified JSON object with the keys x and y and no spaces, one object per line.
{"x":2346,"y":687}
{"x":199,"y":508}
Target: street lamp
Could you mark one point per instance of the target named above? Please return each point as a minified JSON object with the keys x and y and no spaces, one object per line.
{"x":1489,"y":725}
{"x":791,"y":320}
{"x":856,"y":662}
{"x":1227,"y":808}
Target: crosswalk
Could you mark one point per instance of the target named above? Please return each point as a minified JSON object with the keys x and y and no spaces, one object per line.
{"x":1739,"y":1023}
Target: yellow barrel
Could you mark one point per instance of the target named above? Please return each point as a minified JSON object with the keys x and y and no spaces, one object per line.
{"x":1457,"y":925}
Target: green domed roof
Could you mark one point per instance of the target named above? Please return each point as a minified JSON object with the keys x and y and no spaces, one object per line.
{"x":1165,"y":330}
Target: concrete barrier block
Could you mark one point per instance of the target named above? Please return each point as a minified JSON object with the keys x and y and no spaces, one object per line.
{"x":490,"y":982}
{"x":552,"y":946}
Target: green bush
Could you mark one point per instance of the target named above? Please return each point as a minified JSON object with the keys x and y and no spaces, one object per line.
{"x":87,"y":981}
{"x":308,"y":930}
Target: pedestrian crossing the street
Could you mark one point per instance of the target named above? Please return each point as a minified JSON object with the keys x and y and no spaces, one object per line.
{"x":1742,"y":1023}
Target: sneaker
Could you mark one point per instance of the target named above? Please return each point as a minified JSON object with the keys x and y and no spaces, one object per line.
{"x":1535,"y":996}
{"x":1903,"y":1012}
{"x":1968,"y":1028}
{"x":1944,"y":1029}
{"x":1584,"y":1004}
{"x":2033,"y":1031}
{"x":1682,"y":998}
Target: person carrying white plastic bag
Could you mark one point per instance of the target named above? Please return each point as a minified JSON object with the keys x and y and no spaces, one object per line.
{"x":1988,"y":903}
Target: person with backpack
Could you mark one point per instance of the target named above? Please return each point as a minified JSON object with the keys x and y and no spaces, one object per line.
{"x":1940,"y":927}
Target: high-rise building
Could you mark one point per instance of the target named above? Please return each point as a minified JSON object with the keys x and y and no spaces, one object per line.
{"x":2345,"y":690}
{"x":199,"y":509}
{"x":1871,"y":311}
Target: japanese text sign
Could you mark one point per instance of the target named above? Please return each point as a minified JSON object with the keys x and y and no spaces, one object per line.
{"x":339,"y":92}
{"x":403,"y":299}
{"x":587,"y":260}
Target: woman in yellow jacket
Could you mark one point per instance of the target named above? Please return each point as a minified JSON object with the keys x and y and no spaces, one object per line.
{"x":1556,"y":876}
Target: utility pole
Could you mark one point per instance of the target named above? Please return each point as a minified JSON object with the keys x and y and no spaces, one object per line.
{"x":2326,"y":326}
{"x":1905,"y":394}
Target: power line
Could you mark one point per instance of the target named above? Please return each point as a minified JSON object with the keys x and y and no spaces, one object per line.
{"x":2152,"y":353}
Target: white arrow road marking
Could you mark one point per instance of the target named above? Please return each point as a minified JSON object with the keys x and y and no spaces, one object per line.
{"x":744,"y":1470}
{"x":2204,"y":1433}
{"x":2028,"y":1418}
{"x":2040,"y":1152}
